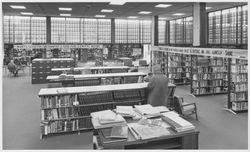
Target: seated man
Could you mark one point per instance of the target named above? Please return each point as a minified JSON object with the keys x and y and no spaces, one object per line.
{"x":157,"y":89}
{"x":13,"y":68}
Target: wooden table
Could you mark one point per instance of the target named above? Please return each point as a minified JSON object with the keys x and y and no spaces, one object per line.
{"x":182,"y":140}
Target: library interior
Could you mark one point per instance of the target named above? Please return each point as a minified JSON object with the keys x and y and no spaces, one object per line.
{"x":124,"y":75}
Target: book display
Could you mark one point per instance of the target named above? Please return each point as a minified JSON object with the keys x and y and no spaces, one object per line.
{"x":238,"y":92}
{"x":209,"y":75}
{"x":41,"y":68}
{"x":65,"y":110}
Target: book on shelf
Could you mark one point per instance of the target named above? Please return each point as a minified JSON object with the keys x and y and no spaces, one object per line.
{"x":178,"y":123}
{"x":147,"y":110}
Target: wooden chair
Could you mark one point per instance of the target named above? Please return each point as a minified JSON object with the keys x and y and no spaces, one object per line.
{"x":184,"y":108}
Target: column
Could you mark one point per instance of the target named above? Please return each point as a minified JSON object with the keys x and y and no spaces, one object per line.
{"x":48,"y":29}
{"x":199,"y":24}
{"x":154,"y":30}
{"x":167,"y":33}
{"x":112,"y":31}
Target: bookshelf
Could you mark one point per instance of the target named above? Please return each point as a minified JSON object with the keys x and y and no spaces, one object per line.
{"x":41,"y":68}
{"x":209,"y":75}
{"x":177,"y":67}
{"x":97,"y":79}
{"x":67,"y":110}
{"x":238,"y":86}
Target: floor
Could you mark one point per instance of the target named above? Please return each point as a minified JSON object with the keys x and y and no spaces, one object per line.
{"x":218,"y":128}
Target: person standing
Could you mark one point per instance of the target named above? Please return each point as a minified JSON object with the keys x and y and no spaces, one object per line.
{"x":157,"y":89}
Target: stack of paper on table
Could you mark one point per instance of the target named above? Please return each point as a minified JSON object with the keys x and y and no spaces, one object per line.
{"x":161,"y":109}
{"x":178,"y":123}
{"x":147,"y":110}
{"x":147,"y":132}
{"x":106,"y":118}
{"x":125,"y":111}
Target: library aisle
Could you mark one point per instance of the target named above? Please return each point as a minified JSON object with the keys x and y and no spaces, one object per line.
{"x":219,"y":129}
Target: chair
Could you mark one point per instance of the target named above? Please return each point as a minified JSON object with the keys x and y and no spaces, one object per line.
{"x":184,"y":108}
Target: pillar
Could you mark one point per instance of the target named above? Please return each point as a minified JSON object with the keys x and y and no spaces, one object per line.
{"x":48,"y":29}
{"x":199,"y":24}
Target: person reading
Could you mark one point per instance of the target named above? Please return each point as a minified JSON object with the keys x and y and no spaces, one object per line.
{"x":13,"y":68}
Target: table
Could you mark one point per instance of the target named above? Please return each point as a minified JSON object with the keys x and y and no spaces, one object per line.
{"x":182,"y":140}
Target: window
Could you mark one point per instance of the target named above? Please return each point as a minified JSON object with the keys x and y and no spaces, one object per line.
{"x":172,"y":32}
{"x":145,"y":30}
{"x":58,"y":30}
{"x":38,"y":29}
{"x":133,"y":31}
{"x":188,"y":30}
{"x":6,"y":29}
{"x":104,"y":31}
{"x":72,"y":30}
{"x":161,"y":32}
{"x":90,"y":30}
{"x":22,"y":29}
{"x":179,"y":37}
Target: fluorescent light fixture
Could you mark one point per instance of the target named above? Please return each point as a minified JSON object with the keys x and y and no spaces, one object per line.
{"x":100,"y":16}
{"x":208,"y":8}
{"x":27,"y":13}
{"x":144,"y":12}
{"x":163,"y":5}
{"x":65,"y":9}
{"x":117,"y":2}
{"x":65,"y":14}
{"x":132,"y":17}
{"x":178,"y":14}
{"x":162,"y":18}
{"x":107,"y":10}
{"x":17,"y":7}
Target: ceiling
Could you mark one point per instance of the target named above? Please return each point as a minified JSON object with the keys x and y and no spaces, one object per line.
{"x":120,"y":11}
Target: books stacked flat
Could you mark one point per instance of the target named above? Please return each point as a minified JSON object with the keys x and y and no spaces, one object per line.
{"x":178,"y":123}
{"x":147,"y":110}
{"x":125,"y":111}
{"x":106,"y":118}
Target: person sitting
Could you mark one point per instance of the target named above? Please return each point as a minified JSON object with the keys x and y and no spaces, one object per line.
{"x":157,"y":89}
{"x":13,"y":68}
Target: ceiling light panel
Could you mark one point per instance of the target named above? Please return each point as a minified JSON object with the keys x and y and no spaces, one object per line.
{"x":27,"y":13}
{"x":65,"y":14}
{"x":132,"y":17}
{"x":17,"y":7}
{"x":145,"y":12}
{"x":178,"y":14}
{"x":100,"y":16}
{"x":65,"y":9}
{"x":163,"y":5}
{"x":208,"y":8}
{"x":117,"y":2}
{"x":107,"y":10}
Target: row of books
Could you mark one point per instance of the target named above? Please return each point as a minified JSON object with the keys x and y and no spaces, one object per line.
{"x":203,"y":70}
{"x":239,"y":96}
{"x":239,"y":68}
{"x":219,"y":69}
{"x":85,"y":111}
{"x":219,"y":75}
{"x":87,"y":82}
{"x":97,"y":97}
{"x":198,"y":91}
{"x":239,"y":78}
{"x":55,"y":114}
{"x":240,"y":87}
{"x":239,"y":106}
{"x":204,"y":76}
{"x":219,"y":90}
{"x":217,"y":61}
{"x":175,"y":70}
{"x":58,"y":101}
{"x":127,"y":94}
{"x":59,"y":126}
{"x":175,"y":64}
{"x":176,"y":76}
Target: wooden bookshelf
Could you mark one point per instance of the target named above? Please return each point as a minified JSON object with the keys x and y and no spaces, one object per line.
{"x":97,"y":79}
{"x":94,"y":70}
{"x":67,"y":110}
{"x":209,"y":75}
{"x":238,"y":86}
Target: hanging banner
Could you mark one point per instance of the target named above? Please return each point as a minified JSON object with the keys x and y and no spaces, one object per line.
{"x":52,"y":46}
{"x":217,"y":52}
